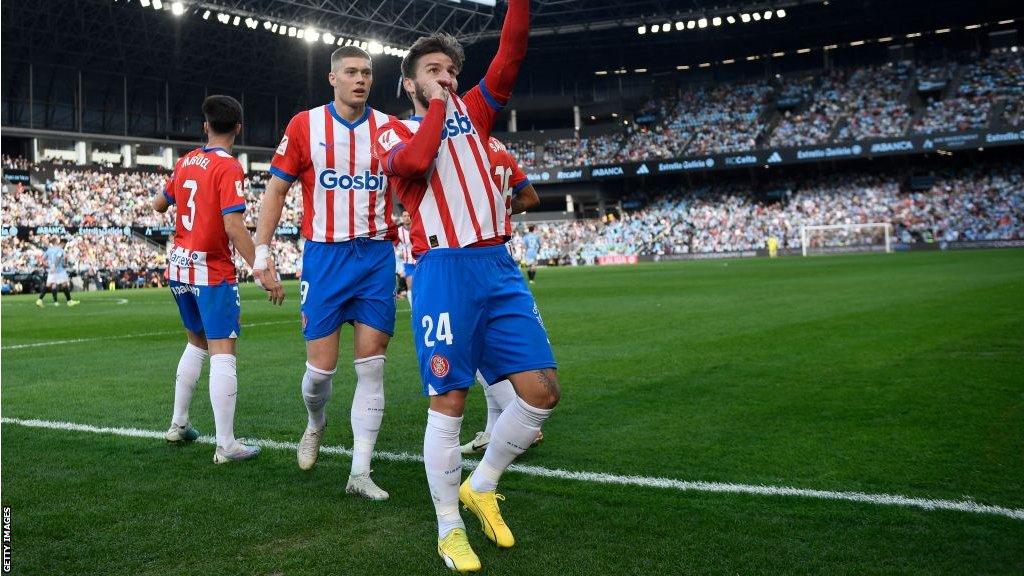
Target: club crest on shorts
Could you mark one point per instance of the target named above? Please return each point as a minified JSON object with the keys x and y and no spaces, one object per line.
{"x":439,"y":365}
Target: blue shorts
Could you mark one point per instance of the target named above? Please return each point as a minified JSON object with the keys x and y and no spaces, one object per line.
{"x":351,"y":281}
{"x":409,"y":269}
{"x":210,"y":310}
{"x":531,"y":258}
{"x":471,"y":310}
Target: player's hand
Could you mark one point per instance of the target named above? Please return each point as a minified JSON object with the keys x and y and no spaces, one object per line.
{"x":270,"y":280}
{"x":436,"y":90}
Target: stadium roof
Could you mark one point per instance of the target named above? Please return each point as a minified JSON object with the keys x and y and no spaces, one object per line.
{"x":274,"y":52}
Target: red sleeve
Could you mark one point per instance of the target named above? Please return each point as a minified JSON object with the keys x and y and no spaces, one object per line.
{"x":169,"y":190}
{"x":229,"y":182}
{"x":292,"y":156}
{"x":410,"y":155}
{"x":487,"y":98}
{"x":169,"y":186}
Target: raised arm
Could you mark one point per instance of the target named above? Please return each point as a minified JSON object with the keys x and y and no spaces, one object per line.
{"x":504,"y":69}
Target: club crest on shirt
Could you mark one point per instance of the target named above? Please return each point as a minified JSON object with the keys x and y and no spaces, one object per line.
{"x":439,"y":365}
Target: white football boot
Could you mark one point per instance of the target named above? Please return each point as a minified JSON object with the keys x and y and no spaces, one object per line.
{"x":309,"y":448}
{"x":236,"y":453}
{"x":362,"y":485}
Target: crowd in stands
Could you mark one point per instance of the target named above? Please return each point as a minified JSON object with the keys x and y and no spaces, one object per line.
{"x":722,"y":118}
{"x":15,"y":163}
{"x":839,"y":105}
{"x":875,"y":103}
{"x":524,"y":150}
{"x":805,"y":109}
{"x":985,"y":81}
{"x":92,"y":197}
{"x":977,"y":204}
{"x":812,"y":120}
{"x":579,"y":151}
{"x":1013,"y":113}
{"x":982,"y":203}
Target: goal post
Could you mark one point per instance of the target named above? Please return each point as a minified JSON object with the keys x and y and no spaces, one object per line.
{"x":846,"y":238}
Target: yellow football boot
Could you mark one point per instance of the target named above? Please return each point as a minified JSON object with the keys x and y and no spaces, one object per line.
{"x":485,"y":506}
{"x":457,"y":553}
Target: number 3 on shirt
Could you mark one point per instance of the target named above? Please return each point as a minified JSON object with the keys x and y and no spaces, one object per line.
{"x":189,"y":219}
{"x":444,"y":330}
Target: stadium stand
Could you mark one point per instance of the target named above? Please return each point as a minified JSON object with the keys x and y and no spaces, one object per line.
{"x":974,"y":204}
{"x":844,"y":104}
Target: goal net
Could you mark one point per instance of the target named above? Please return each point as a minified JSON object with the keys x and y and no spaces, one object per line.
{"x":846,"y":238}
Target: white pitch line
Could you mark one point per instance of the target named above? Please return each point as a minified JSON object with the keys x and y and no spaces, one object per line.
{"x":124,"y":336}
{"x":969,"y":506}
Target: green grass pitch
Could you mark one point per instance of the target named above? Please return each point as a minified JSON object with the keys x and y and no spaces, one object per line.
{"x":891,"y":374}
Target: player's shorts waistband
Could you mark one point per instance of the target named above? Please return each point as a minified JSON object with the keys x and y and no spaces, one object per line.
{"x":350,"y":242}
{"x":462,"y":253}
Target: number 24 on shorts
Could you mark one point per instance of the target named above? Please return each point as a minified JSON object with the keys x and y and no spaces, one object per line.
{"x":443,"y":333}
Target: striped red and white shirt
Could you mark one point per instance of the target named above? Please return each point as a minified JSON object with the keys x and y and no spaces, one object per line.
{"x":455,"y":203}
{"x":508,"y":176}
{"x":344,"y":191}
{"x":404,"y":244}
{"x":207,"y":183}
{"x":439,"y":167}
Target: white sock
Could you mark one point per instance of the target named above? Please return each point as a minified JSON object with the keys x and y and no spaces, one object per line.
{"x":443,"y":462}
{"x":189,"y":368}
{"x":498,"y":395}
{"x":367,"y":410}
{"x":316,"y":391}
{"x":223,"y":393}
{"x":513,"y":433}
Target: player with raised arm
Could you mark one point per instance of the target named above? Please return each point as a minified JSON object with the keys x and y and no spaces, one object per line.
{"x":471,"y":306}
{"x":207,"y":188}
{"x":520,"y":196}
{"x":348,"y":259}
{"x":56,"y":273}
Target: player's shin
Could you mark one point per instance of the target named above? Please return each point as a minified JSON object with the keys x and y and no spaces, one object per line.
{"x":513,"y":433}
{"x":316,"y":391}
{"x":367,"y":410}
{"x":443,"y":463}
{"x":223,"y":394}
{"x":189,"y":367}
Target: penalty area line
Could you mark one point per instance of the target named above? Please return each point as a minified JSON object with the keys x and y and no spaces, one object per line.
{"x":968,"y":506}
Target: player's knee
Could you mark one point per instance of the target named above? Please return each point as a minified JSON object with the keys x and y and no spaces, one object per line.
{"x":545,"y":391}
{"x":553,"y":390}
{"x":452,"y":403}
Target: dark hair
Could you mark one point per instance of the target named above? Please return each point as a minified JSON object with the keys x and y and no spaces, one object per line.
{"x":531,"y":227}
{"x":439,"y":42}
{"x":349,"y":52}
{"x":222,"y":113}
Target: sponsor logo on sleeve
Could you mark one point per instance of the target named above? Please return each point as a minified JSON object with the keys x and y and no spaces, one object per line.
{"x":283,"y":146}
{"x":388,"y":140}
